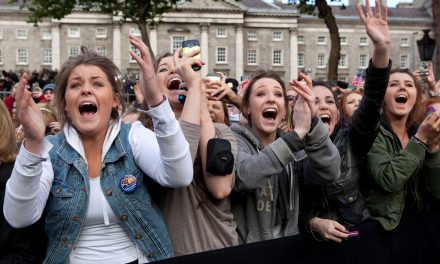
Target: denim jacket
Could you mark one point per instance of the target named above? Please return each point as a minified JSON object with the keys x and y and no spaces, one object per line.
{"x":67,"y":202}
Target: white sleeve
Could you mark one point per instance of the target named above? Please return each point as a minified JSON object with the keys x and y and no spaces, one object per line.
{"x":28,"y":187}
{"x":164,"y":154}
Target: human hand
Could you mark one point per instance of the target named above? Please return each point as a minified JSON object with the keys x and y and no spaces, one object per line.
{"x":376,"y":26}
{"x":328,"y":229}
{"x":29,"y":114}
{"x":138,"y":93}
{"x":55,"y":127}
{"x":183,"y":66}
{"x":429,"y":129}
{"x":305,"y":90}
{"x":301,"y":117}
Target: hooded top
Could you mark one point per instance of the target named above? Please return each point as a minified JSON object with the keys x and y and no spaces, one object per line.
{"x":265,"y":201}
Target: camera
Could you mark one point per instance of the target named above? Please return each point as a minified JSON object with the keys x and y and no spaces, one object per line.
{"x":188,"y":46}
{"x":423,"y":73}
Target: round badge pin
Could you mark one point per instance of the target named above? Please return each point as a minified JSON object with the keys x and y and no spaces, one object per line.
{"x":128,"y":183}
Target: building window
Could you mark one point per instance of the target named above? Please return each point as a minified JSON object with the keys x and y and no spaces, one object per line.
{"x":221,"y":33}
{"x":321,"y":60}
{"x":101,"y":51}
{"x":22,"y":56}
{"x":176,"y":42}
{"x":300,"y":59}
{"x":74,"y":32}
{"x":101,"y":33}
{"x":221,"y":55}
{"x":277,"y":56}
{"x":1,"y":56}
{"x":21,"y":34}
{"x":343,"y":61}
{"x":300,"y":39}
{"x":47,"y":56}
{"x":363,"y":61}
{"x":135,"y":50}
{"x":135,"y":32}
{"x":252,"y":35}
{"x":322,"y":40}
{"x":73,"y":51}
{"x":343,"y":40}
{"x":252,"y":57}
{"x":46,"y":33}
{"x":363,"y":41}
{"x":404,"y":42}
{"x":277,"y":36}
{"x":404,"y":61}
{"x":343,"y":78}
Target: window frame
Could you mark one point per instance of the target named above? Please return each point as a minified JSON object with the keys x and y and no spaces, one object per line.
{"x":360,"y":60}
{"x":256,"y":57}
{"x":361,"y":43}
{"x":98,"y":36}
{"x":70,"y":33}
{"x":70,"y":48}
{"x":321,"y":43}
{"x":225,"y":35}
{"x":249,"y":38}
{"x":21,"y":30}
{"x":345,"y":65}
{"x":17,"y":58}
{"x":280,"y":38}
{"x":281,"y":57}
{"x":324,"y":60}
{"x":301,"y":54}
{"x":172,"y":49}
{"x":217,"y":54}
{"x":43,"y":61}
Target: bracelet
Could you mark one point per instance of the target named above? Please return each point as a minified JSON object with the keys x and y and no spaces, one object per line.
{"x":163,"y":100}
{"x":421,"y":143}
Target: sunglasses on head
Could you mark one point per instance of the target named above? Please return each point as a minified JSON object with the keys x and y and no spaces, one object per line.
{"x":292,"y":98}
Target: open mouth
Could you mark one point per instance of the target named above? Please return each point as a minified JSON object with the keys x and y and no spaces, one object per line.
{"x":326,"y":119}
{"x":270,"y":114}
{"x":401,"y":99}
{"x":174,"y":83}
{"x":88,"y":108}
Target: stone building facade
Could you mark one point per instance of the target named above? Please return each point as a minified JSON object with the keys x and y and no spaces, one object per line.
{"x":237,"y":38}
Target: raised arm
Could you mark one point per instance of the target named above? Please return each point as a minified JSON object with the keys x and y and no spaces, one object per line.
{"x":365,"y":121}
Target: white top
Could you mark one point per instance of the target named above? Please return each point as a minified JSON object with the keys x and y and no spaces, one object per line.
{"x":163,"y":155}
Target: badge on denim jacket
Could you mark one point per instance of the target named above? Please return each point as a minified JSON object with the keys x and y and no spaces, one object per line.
{"x":128,"y":183}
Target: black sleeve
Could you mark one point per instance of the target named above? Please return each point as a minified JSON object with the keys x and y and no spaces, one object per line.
{"x":365,"y":122}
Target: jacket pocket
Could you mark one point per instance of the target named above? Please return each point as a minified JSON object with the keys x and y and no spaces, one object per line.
{"x":59,"y":200}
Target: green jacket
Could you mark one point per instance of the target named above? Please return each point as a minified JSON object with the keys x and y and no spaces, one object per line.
{"x":394,"y":172}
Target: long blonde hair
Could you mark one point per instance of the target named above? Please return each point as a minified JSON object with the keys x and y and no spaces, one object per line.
{"x":8,"y":145}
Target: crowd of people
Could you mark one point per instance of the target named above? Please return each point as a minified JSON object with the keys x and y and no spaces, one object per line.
{"x":197,"y":163}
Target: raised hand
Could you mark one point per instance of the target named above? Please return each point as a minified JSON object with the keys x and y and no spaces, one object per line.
{"x":328,"y":229}
{"x":148,"y":80}
{"x":30,"y":117}
{"x":376,"y":26}
{"x":429,"y":129}
{"x":305,"y":90}
{"x":183,"y":67}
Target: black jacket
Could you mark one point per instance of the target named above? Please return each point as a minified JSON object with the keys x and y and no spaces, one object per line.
{"x":26,"y":245}
{"x":342,"y":200}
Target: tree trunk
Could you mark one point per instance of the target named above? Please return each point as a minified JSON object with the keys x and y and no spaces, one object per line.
{"x":325,"y":12}
{"x":436,"y":20}
{"x":145,"y":37}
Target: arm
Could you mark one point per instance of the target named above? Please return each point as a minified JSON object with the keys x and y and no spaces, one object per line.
{"x":390,"y":173}
{"x":165,"y":155}
{"x":323,"y":163}
{"x":365,"y":121}
{"x":28,"y":188}
{"x":219,"y":186}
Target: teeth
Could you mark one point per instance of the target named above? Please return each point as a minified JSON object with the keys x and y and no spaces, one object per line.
{"x":86,"y":103}
{"x":271,"y":110}
{"x":324,"y":116}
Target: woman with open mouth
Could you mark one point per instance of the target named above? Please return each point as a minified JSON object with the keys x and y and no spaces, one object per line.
{"x":266,"y":203}
{"x":88,"y":178}
{"x":198,"y":217}
{"x":403,"y":164}
{"x":330,"y":213}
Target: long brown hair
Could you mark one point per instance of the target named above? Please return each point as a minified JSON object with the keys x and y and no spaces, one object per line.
{"x":8,"y":145}
{"x":87,"y":58}
{"x":415,"y":111}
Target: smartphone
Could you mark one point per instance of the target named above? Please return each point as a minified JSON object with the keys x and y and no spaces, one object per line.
{"x":353,"y":233}
{"x":213,"y":77}
{"x":190,"y":45}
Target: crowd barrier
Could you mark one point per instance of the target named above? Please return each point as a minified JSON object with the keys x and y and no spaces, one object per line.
{"x":415,"y":240}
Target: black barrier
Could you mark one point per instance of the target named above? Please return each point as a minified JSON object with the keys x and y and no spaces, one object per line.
{"x":415,"y":240}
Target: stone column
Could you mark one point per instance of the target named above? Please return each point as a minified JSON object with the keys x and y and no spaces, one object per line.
{"x":56,"y":45}
{"x":117,"y":57}
{"x":153,"y":38}
{"x":238,"y":51}
{"x":293,"y":53}
{"x":204,"y":47}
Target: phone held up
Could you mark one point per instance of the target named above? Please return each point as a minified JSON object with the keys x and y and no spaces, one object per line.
{"x":188,"y":46}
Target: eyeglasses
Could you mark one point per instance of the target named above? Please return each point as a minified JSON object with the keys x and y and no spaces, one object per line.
{"x":292,"y":98}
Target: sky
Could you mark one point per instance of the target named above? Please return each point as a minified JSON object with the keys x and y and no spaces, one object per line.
{"x":390,"y":3}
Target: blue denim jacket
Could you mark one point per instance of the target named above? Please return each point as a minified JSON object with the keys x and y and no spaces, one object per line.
{"x":67,"y":203}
